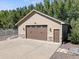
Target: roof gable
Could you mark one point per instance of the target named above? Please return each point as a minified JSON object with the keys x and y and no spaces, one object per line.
{"x":40,"y":13}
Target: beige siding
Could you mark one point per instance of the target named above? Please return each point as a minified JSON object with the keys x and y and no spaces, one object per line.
{"x":40,"y":20}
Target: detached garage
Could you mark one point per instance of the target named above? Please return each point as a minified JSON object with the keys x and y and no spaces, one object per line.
{"x":36,"y":25}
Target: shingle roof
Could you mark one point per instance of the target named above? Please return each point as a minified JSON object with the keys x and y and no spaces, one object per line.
{"x":54,"y":19}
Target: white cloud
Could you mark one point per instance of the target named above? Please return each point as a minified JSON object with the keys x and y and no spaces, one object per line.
{"x":13,"y":4}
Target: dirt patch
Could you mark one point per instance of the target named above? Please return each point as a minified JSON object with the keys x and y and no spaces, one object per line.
{"x":61,"y":55}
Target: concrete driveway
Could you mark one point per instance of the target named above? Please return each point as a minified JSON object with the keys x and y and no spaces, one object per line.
{"x":20,"y":48}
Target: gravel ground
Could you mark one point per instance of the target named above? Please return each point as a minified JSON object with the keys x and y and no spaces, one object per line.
{"x":61,"y":55}
{"x":2,"y":38}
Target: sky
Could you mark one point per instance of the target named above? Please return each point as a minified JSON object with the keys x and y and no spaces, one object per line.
{"x":13,"y":4}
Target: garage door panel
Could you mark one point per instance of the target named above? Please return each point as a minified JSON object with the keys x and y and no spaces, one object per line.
{"x":37,"y":32}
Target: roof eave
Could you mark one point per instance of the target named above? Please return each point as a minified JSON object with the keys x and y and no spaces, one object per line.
{"x":24,"y":17}
{"x":61,"y":22}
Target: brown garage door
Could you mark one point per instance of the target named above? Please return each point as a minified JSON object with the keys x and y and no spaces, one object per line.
{"x":36,"y":32}
{"x":56,"y":35}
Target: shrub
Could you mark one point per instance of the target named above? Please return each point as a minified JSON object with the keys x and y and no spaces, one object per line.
{"x":74,"y":37}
